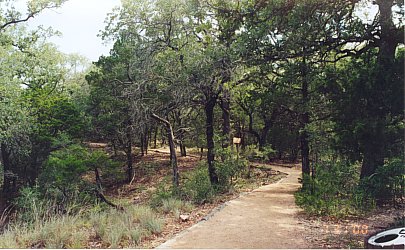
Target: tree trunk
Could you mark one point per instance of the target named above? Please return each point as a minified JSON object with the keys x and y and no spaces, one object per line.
{"x":155,"y":137}
{"x":183,"y":151}
{"x":145,"y":141}
{"x":263,"y":135}
{"x":173,"y":157}
{"x":374,"y":151}
{"x":98,"y":179}
{"x":209,"y":113}
{"x":150,"y":136}
{"x":252,"y":131}
{"x":304,"y":138}
{"x":226,"y":120}
{"x":5,"y":157}
{"x":142,"y":146}
{"x":163,"y":138}
{"x":128,"y":152}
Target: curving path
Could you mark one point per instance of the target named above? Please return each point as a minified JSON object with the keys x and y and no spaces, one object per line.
{"x":264,"y":218}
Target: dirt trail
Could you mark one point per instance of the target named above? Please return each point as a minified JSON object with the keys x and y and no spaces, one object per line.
{"x":264,"y":218}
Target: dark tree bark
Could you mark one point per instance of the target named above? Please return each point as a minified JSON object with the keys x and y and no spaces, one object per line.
{"x":201,"y":153}
{"x":268,"y":124}
{"x":163,"y":142}
{"x":183,"y":151}
{"x":209,"y":113}
{"x":5,"y":157}
{"x":251,"y":130}
{"x":128,"y":152}
{"x":102,"y":198}
{"x":390,"y":37}
{"x":155,"y":137}
{"x":226,"y":120}
{"x":150,"y":138}
{"x":304,"y":138}
{"x":173,"y":157}
{"x":97,"y":178}
{"x":145,"y":141}
{"x":142,"y":146}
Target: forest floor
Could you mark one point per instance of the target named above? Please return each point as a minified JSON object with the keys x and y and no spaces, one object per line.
{"x":260,"y":214}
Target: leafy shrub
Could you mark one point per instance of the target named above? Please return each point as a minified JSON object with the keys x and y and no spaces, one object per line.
{"x":163,"y":192}
{"x":62,"y":177}
{"x":252,"y":153}
{"x":387,"y":183}
{"x":197,"y":186}
{"x":229,"y":166}
{"x":334,"y":191}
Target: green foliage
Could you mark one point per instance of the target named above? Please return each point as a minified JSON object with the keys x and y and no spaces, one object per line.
{"x":163,"y":192}
{"x":228,"y":166}
{"x":387,"y":184}
{"x":63,"y":182}
{"x":197,"y":186}
{"x":252,"y":153}
{"x":334,"y":191}
{"x":63,"y":170}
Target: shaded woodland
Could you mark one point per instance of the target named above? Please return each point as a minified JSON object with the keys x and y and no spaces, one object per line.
{"x":313,"y":82}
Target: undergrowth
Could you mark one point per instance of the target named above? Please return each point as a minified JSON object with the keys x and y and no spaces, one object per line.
{"x":336,"y":190}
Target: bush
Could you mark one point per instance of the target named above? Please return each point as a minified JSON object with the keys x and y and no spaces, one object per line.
{"x":252,"y":153}
{"x":228,"y":167}
{"x":62,"y":179}
{"x":387,"y":184}
{"x":197,"y":186}
{"x":334,"y":191}
{"x":163,"y":192}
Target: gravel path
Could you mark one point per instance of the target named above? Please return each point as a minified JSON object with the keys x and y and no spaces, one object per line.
{"x":264,"y":218}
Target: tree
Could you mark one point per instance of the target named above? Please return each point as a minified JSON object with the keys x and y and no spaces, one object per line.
{"x":10,"y":16}
{"x":387,"y":79}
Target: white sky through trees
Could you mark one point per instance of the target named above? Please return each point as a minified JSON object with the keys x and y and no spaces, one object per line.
{"x":79,"y":21}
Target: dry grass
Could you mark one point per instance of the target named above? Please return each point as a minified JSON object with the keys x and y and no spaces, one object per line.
{"x":109,"y":228}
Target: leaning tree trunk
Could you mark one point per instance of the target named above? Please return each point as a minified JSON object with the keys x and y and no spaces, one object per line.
{"x":173,"y":157}
{"x":209,"y":123}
